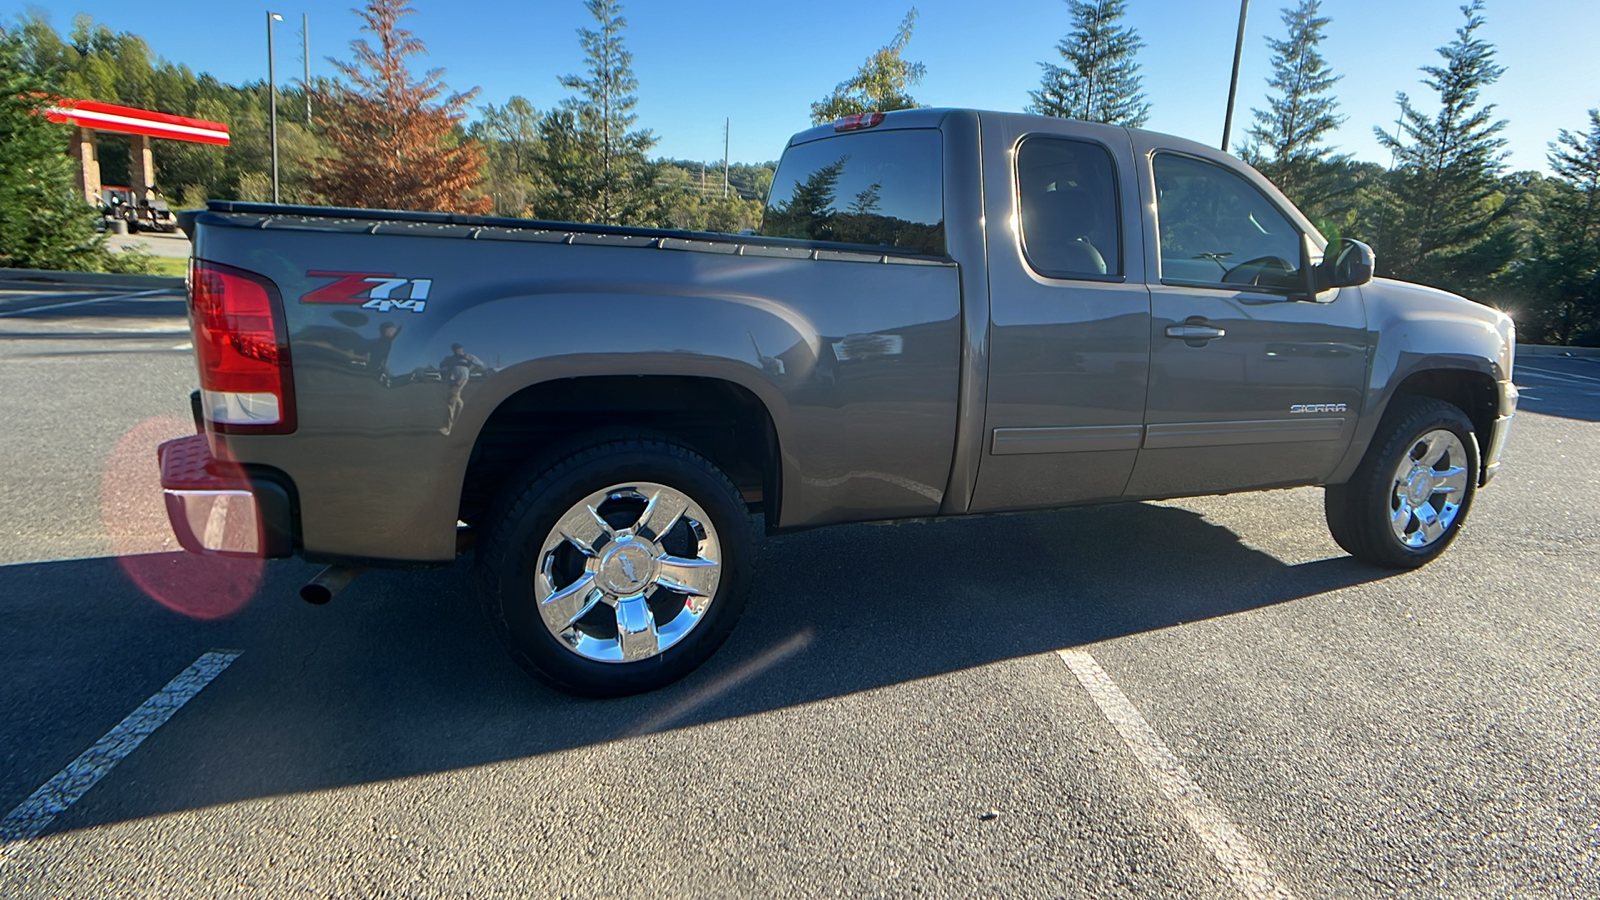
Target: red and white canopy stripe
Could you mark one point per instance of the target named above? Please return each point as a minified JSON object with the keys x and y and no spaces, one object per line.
{"x":126,"y":119}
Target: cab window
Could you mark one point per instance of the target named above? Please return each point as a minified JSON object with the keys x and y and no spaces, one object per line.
{"x":1067,"y":198}
{"x":1218,"y":230}
{"x":882,"y":189}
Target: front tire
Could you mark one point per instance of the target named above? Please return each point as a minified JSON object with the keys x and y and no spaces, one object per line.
{"x":1410,"y":495}
{"x":618,"y":570}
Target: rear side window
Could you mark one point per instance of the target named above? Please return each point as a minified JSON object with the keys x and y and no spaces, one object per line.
{"x":1067,"y":194}
{"x":884,"y":189}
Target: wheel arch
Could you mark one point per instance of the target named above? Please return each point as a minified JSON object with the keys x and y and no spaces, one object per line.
{"x":1466,"y":383}
{"x":726,"y":422}
{"x":1470,"y":390}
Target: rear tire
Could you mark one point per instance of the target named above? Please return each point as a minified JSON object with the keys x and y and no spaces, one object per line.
{"x":1408,"y":498}
{"x":617,"y":570}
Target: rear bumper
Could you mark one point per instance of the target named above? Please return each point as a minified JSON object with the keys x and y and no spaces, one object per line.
{"x":217,"y":508}
{"x":1495,"y":446}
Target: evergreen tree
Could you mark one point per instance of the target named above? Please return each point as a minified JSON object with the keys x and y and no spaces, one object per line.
{"x":595,"y":169}
{"x":881,"y":84}
{"x":1286,"y":141}
{"x":394,"y":139}
{"x":510,"y":136}
{"x":1100,"y":81}
{"x":45,"y":223}
{"x":1450,"y":229}
{"x":1562,"y":271}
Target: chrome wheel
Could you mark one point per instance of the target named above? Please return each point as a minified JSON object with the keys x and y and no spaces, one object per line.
{"x":627,"y":572}
{"x":1429,"y":486}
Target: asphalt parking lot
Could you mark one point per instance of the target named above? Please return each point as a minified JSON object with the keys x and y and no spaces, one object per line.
{"x":1190,"y":699}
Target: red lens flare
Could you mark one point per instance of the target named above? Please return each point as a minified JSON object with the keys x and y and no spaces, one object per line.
{"x":135,"y":517}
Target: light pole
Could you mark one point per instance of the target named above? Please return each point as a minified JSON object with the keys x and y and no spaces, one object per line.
{"x":1233,"y":86}
{"x":272,"y":101}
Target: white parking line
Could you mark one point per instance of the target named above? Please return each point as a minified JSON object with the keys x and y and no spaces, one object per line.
{"x":1232,"y":850}
{"x":34,"y":309}
{"x":34,"y":814}
{"x":1557,"y":376}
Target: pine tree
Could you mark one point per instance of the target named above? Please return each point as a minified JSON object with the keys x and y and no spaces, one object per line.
{"x":881,"y":84}
{"x":1450,"y":230}
{"x":1286,"y":141}
{"x":44,"y":222}
{"x":510,"y":137}
{"x":394,"y":138}
{"x":595,"y":169}
{"x":1101,"y":81}
{"x":1562,"y":269}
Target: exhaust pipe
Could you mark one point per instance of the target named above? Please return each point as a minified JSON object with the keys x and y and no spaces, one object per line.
{"x":328,"y":582}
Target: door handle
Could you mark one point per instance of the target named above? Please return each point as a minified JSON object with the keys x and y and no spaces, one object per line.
{"x":1189,"y":332}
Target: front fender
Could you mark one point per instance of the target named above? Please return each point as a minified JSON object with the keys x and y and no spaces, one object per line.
{"x":1421,"y":329}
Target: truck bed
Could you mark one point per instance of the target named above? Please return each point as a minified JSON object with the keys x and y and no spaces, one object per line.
{"x":822,"y":340}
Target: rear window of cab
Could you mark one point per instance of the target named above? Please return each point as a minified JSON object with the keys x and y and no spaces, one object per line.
{"x":880,"y":189}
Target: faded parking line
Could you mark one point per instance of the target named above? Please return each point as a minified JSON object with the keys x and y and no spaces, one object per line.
{"x":1232,"y":850}
{"x":34,"y":814}
{"x":135,"y":294}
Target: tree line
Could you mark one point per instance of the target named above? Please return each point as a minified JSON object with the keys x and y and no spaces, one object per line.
{"x":1445,"y":212}
{"x":379,"y":136}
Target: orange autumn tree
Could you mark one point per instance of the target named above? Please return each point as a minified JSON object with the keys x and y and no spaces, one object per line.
{"x":396,"y":141}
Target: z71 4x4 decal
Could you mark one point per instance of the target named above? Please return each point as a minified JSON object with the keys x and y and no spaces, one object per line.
{"x":381,"y":291}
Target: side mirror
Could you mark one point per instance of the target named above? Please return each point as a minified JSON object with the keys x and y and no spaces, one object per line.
{"x":1352,"y":266}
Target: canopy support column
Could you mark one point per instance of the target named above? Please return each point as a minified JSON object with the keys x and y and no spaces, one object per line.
{"x":85,"y":152}
{"x":141,"y":167}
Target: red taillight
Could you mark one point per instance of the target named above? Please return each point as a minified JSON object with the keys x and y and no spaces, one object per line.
{"x":858,"y":122}
{"x":242,"y":345}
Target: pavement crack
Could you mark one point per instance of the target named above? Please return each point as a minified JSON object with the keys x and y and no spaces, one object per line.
{"x":305,"y":660}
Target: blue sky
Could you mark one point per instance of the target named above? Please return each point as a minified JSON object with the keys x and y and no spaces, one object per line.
{"x":762,"y":64}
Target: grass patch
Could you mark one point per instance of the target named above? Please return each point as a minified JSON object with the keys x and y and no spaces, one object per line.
{"x":169,"y":265}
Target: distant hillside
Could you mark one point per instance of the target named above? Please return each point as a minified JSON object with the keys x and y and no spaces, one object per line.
{"x":750,"y":181}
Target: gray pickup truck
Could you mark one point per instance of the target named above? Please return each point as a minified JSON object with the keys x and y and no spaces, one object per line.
{"x":946,"y":313}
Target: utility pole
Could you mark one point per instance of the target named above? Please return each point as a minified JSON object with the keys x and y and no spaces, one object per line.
{"x":272,"y":101}
{"x":727,"y":127}
{"x":1233,"y":86}
{"x":305,"y":54}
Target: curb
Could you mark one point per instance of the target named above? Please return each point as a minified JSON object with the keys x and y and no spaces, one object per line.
{"x":92,"y":279}
{"x":1556,"y":350}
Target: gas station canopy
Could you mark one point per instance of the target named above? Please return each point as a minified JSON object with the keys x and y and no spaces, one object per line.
{"x":91,"y":116}
{"x":99,"y":116}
